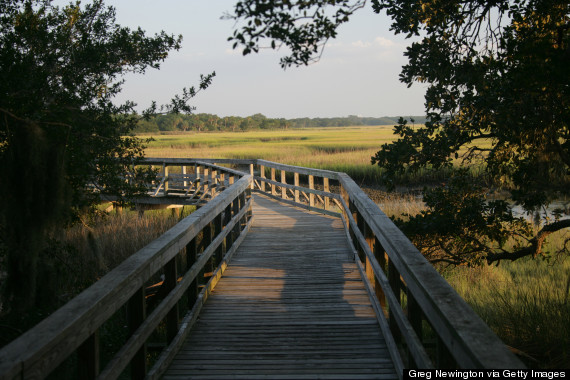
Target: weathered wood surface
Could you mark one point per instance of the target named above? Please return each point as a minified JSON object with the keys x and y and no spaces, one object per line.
{"x":290,"y":305}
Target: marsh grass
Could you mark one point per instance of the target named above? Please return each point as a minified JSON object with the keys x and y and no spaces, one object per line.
{"x":346,"y":149}
{"x":78,"y":256}
{"x":526,"y":303}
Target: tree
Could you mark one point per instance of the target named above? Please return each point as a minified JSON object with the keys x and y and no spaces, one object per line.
{"x":60,"y":132}
{"x":498,"y":98}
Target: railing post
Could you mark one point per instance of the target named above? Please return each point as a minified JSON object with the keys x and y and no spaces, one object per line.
{"x":296,"y":182}
{"x":327,"y":189}
{"x":251,"y":173}
{"x":273,"y":191}
{"x":213,"y":175}
{"x":191,"y":257}
{"x":227,"y":217}
{"x":380,"y":256}
{"x":394,"y":280}
{"x":89,"y":358}
{"x":206,"y":183}
{"x":206,"y":241}
{"x":165,"y":168}
{"x":218,"y":226}
{"x":369,"y":236}
{"x":184,"y":173}
{"x":262,"y":175}
{"x":236,"y":207}
{"x":136,"y":309}
{"x":170,"y":280}
{"x":283,"y":180}
{"x":312,"y":187}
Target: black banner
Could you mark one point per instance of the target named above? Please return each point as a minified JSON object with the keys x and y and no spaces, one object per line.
{"x":501,"y":374}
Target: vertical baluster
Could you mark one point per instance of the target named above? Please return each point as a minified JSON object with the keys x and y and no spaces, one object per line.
{"x":296,"y":182}
{"x":394,"y":280}
{"x":251,"y":173}
{"x":227,"y":217}
{"x":380,"y":256}
{"x":214,"y":176}
{"x":327,"y":189}
{"x":170,"y":280}
{"x":312,"y":187}
{"x":89,"y":358}
{"x":283,"y":180}
{"x":206,"y":241}
{"x":218,"y":226}
{"x":191,"y":257}
{"x":415,"y":318}
{"x":136,"y":310}
{"x":262,"y":175}
{"x":273,"y":191}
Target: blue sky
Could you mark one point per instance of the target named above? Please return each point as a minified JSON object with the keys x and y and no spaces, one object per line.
{"x":357,"y":75}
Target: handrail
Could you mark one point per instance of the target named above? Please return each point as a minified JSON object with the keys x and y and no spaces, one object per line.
{"x":217,"y":228}
{"x":395,"y":271}
{"x":413,"y":302}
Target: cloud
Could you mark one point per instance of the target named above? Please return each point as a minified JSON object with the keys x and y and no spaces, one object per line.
{"x":384,"y":42}
{"x":360,"y":44}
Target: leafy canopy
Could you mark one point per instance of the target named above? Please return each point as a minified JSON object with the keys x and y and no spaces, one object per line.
{"x":498,"y":99}
{"x":60,"y":131}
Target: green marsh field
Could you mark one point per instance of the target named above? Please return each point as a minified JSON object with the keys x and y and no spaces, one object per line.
{"x":346,"y":149}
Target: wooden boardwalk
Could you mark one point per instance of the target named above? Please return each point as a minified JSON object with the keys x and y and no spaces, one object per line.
{"x":291,"y":304}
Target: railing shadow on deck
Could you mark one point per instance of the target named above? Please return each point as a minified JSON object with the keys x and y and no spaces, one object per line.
{"x":426,"y":323}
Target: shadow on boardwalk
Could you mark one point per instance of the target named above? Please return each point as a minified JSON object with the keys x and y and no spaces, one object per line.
{"x":290,"y":305}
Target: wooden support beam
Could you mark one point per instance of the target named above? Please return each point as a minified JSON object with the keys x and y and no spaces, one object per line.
{"x":136,"y":311}
{"x":273,"y":190}
{"x":251,"y":173}
{"x":312,"y":187}
{"x":262,"y":175}
{"x":166,"y":171}
{"x":283,"y":180}
{"x":88,"y":356}
{"x":191,"y":257}
{"x":170,"y":279}
{"x":326,"y":188}
{"x":296,"y":183}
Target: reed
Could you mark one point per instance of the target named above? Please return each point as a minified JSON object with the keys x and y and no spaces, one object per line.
{"x":526,"y":303}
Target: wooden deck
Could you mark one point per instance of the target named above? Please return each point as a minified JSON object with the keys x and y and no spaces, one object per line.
{"x":291,"y":304}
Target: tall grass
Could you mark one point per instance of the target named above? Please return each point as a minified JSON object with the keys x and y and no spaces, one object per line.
{"x":78,"y":256}
{"x":346,"y":149}
{"x":526,"y":303}
{"x":339,"y":149}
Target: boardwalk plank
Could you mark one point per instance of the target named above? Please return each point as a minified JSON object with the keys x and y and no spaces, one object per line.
{"x":290,"y":305}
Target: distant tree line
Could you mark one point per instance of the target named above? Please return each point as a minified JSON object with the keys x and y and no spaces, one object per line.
{"x":207,"y":122}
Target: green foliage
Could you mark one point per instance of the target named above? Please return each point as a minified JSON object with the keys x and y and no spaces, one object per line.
{"x":286,"y":23}
{"x":460,"y":226}
{"x":497,"y":72}
{"x":207,"y":122}
{"x":60,"y":132}
{"x":498,"y":97}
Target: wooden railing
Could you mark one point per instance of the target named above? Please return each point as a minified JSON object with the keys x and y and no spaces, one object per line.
{"x":194,"y":251}
{"x":425,"y":322}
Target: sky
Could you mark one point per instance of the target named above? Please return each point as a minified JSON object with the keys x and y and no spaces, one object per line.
{"x":357,"y":74}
